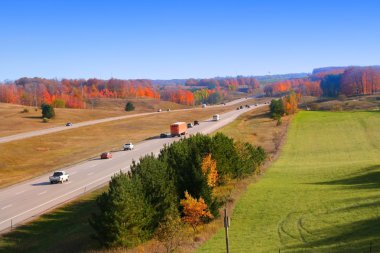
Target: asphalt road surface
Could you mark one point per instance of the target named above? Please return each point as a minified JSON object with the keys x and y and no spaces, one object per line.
{"x":87,"y":123}
{"x":21,"y":202}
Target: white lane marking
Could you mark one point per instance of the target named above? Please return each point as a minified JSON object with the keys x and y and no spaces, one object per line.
{"x":42,"y":193}
{"x":5,"y":207}
{"x":18,"y":193}
{"x":90,"y":173}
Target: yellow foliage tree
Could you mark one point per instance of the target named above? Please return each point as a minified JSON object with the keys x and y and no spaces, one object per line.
{"x":194,"y":210}
{"x":209,"y":170}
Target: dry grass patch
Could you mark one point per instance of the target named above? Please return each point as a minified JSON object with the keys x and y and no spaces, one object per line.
{"x":18,"y":118}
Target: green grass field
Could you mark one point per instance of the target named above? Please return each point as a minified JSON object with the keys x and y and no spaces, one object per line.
{"x":321,"y":195}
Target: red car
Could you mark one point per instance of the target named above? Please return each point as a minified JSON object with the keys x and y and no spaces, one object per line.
{"x":106,"y":155}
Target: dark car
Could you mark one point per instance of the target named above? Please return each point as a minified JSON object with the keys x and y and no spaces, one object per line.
{"x":69,"y":124}
{"x":190,"y":125}
{"x":165,"y":135}
{"x":106,"y":155}
{"x":196,"y":122}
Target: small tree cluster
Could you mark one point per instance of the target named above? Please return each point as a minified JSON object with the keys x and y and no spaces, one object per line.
{"x":178,"y":183}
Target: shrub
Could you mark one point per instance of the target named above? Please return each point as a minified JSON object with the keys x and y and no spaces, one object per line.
{"x":45,"y":120}
{"x":47,"y":111}
{"x":129,"y":107}
{"x":59,"y":103}
{"x":277,"y":109}
{"x":25,"y":110}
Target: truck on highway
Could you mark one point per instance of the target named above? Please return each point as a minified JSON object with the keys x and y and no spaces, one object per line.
{"x":216,"y":117}
{"x":178,"y":129}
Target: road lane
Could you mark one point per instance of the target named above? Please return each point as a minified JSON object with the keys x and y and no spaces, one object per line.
{"x":25,"y":200}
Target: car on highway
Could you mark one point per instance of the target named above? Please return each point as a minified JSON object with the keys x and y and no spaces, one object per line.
{"x":105,"y":155}
{"x":190,"y":125}
{"x":196,"y":122}
{"x":159,"y":110}
{"x":69,"y":124}
{"x":59,"y":177}
{"x":165,"y":135}
{"x":128,"y":146}
{"x":168,"y":110}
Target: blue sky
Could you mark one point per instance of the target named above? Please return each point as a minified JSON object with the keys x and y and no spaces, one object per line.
{"x":183,"y":38}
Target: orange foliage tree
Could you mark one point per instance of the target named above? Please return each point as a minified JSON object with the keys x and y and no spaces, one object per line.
{"x":209,"y":170}
{"x":291,"y":102}
{"x":194,"y":211}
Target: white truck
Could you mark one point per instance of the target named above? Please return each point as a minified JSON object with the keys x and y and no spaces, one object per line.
{"x":216,"y":117}
{"x":59,"y":177}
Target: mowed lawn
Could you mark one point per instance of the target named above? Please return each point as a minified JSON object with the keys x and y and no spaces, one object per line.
{"x":321,"y":195}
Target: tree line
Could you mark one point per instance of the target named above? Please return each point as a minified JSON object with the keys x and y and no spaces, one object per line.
{"x":331,"y":82}
{"x":180,"y":186}
{"x":77,"y":93}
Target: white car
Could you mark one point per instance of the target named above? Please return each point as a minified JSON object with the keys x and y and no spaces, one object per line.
{"x":128,"y":146}
{"x":59,"y":177}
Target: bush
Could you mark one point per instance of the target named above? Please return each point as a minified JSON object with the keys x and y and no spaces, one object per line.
{"x":59,"y":103}
{"x":25,"y":110}
{"x":342,"y":97}
{"x":47,"y":111}
{"x":129,"y":107}
{"x":45,"y":120}
{"x":277,"y":109}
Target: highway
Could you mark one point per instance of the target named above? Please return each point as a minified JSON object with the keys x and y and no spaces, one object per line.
{"x":34,"y":133}
{"x":23,"y":201}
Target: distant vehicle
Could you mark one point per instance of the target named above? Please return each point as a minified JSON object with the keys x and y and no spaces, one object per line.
{"x":69,"y":124}
{"x":196,"y":122}
{"x":159,"y":110}
{"x":241,"y":107}
{"x":128,"y":146}
{"x":255,"y":104}
{"x":238,"y":108}
{"x":178,"y":129}
{"x":165,"y":135}
{"x":216,"y":117}
{"x":59,"y":177}
{"x":106,"y":155}
{"x":168,"y":110}
{"x":190,"y":125}
{"x":247,"y":106}
{"x":204,"y":105}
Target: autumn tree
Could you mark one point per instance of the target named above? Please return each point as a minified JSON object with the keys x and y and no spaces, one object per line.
{"x":171,"y":233}
{"x":209,"y":170}
{"x":290,"y":103}
{"x":195,"y":211}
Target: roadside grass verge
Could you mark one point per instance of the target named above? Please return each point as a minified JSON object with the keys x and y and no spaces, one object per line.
{"x":66,"y":229}
{"x":321,"y":195}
